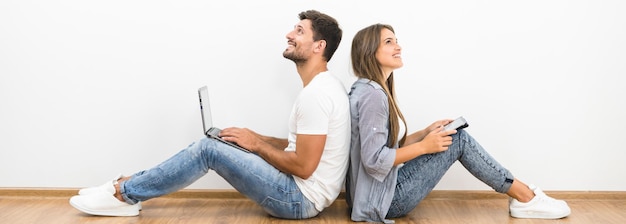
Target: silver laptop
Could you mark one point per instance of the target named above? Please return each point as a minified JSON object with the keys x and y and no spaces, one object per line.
{"x":207,"y":122}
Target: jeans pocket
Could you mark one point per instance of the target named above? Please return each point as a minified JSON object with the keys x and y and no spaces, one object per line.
{"x":282,"y":209}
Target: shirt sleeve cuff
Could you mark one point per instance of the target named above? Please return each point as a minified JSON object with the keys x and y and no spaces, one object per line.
{"x":385,"y":165}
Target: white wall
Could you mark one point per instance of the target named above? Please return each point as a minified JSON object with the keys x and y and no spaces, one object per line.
{"x":91,"y":89}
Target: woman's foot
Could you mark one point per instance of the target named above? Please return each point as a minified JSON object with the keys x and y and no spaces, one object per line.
{"x":541,"y":206}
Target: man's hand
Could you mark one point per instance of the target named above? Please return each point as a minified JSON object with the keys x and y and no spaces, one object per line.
{"x":301,"y":163}
{"x":243,"y":137}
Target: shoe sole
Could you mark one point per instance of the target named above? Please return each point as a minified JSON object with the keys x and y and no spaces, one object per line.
{"x":87,"y":192}
{"x":527,"y":215}
{"x":105,"y":212}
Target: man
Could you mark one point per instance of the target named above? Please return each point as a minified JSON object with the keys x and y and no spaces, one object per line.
{"x":293,"y":178}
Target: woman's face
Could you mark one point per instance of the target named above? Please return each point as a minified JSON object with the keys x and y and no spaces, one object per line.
{"x":389,"y":52}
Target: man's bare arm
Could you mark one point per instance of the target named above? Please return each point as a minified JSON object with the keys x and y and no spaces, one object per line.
{"x":301,"y":163}
{"x":278,"y":143}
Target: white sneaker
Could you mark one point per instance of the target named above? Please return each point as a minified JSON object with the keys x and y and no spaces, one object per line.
{"x":541,"y":206}
{"x":103,"y":204}
{"x":107,"y":187}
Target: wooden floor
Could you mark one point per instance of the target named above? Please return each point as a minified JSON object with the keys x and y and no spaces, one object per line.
{"x":37,"y":206}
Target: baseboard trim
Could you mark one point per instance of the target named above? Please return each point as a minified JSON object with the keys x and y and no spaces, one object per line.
{"x":233,"y":194}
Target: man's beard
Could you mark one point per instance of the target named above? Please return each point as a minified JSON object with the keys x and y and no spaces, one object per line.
{"x":294,"y":56}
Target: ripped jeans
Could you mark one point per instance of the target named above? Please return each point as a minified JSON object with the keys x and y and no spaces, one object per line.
{"x":248,"y":173}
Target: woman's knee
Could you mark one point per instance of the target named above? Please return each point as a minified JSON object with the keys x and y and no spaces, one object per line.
{"x":460,"y":141}
{"x":461,"y":135}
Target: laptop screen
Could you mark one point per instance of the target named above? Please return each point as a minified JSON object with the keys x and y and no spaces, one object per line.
{"x":205,"y":109}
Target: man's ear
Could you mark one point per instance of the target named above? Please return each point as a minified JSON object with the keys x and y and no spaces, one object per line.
{"x":321,"y":45}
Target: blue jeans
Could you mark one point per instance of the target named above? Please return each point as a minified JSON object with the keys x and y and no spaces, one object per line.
{"x":252,"y":176}
{"x":419,"y":176}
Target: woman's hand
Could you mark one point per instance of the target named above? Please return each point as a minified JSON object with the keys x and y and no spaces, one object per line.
{"x":437,"y":124}
{"x":420,"y":135}
{"x":438,"y":140}
{"x":431,"y":139}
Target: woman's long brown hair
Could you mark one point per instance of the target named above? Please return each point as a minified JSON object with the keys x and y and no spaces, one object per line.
{"x":365,"y":65}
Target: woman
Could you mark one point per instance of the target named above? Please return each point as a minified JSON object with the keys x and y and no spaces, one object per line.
{"x":390,"y":171}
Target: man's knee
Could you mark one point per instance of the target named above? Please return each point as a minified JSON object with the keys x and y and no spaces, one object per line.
{"x":200,"y":146}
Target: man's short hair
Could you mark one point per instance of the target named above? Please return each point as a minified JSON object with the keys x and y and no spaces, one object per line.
{"x":325,"y":28}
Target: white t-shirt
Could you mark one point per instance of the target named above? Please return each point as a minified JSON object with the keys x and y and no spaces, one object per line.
{"x":322,"y":108}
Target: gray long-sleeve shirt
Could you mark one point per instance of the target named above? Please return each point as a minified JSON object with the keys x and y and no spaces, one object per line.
{"x":371,"y":178}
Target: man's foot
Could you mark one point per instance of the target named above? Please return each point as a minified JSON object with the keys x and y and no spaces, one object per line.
{"x":103,"y":204}
{"x":107,"y":187}
{"x":541,"y":206}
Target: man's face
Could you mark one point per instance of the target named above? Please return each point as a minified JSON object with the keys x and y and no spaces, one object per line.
{"x":300,"y":42}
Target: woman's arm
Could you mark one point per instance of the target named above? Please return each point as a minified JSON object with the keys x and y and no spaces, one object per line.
{"x":430,"y":140}
{"x":419,"y":135}
{"x":369,"y":105}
